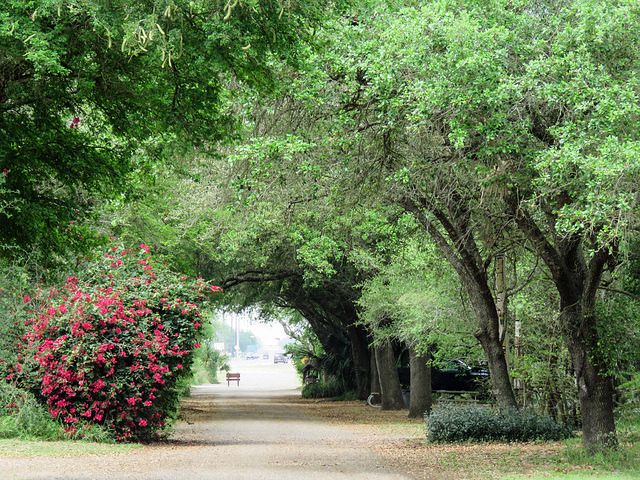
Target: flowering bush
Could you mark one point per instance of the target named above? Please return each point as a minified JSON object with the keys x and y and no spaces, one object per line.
{"x":112,"y":350}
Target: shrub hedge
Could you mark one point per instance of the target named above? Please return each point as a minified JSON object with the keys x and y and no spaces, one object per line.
{"x":331,"y":389}
{"x":452,"y":423}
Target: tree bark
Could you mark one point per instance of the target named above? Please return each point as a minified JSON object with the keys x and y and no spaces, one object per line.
{"x":361,"y":354}
{"x":420,"y":396}
{"x":390,"y":387}
{"x":595,"y":386}
{"x":375,"y":378}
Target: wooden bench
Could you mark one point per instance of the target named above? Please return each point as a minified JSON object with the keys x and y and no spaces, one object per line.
{"x":458,"y":395}
{"x":233,"y":377}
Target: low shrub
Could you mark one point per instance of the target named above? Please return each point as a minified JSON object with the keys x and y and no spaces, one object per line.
{"x":330,"y":389}
{"x":451,"y":423}
{"x":21,"y":416}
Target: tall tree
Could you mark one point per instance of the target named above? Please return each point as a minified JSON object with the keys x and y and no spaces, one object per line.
{"x":86,"y":84}
{"x":516,"y":114}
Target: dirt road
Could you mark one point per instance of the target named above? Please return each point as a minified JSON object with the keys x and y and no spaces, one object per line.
{"x":251,"y":432}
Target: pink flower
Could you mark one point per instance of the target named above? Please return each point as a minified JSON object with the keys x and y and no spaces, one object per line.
{"x":142,"y":422}
{"x":27,"y":298}
{"x":63,"y":308}
{"x":145,"y":248}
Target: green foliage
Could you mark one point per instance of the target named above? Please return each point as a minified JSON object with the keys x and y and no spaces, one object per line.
{"x":86,"y":86}
{"x":212,"y":362}
{"x":334,"y":388}
{"x":22,"y":416}
{"x":451,"y":423}
{"x":337,"y":366}
{"x":415,"y":294}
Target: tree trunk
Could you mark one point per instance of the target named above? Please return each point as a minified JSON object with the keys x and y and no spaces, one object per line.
{"x":390,"y":387}
{"x":361,"y":354}
{"x":488,"y":334}
{"x":577,"y":279}
{"x":459,"y":248}
{"x":420,"y":396}
{"x":595,"y":386}
{"x":375,"y":378}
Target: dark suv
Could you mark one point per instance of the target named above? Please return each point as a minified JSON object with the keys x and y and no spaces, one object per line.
{"x":457,"y":375}
{"x":279,"y":358}
{"x":454,"y":375}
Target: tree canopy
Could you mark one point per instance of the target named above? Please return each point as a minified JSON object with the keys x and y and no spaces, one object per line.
{"x":86,"y":87}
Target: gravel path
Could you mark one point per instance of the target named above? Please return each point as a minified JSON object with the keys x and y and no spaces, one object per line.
{"x":250,"y":432}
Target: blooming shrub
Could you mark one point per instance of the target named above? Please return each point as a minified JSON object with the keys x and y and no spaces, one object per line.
{"x":112,"y":350}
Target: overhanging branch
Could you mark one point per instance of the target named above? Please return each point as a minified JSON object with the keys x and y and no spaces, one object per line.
{"x":257,"y":276}
{"x":622,"y":292}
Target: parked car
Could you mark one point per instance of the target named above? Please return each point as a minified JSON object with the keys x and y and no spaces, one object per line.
{"x":458,"y":376}
{"x":279,"y":358}
{"x":454,"y":375}
{"x":252,"y":356}
{"x":265,"y":356}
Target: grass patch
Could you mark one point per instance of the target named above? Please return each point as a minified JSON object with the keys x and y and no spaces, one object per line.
{"x":626,"y":458}
{"x":14,"y":447}
{"x":577,"y":476}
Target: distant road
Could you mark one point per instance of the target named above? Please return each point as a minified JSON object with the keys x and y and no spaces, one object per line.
{"x":258,"y":374}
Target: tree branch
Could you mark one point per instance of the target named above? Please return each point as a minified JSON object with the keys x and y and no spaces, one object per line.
{"x":623,"y":292}
{"x":256,"y":276}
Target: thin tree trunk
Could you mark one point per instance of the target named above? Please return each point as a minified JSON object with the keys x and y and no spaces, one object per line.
{"x":420,"y":396}
{"x":390,"y":387}
{"x":375,"y":378}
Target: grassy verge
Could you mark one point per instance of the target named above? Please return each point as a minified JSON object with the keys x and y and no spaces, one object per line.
{"x":579,"y":476}
{"x":32,"y":448}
